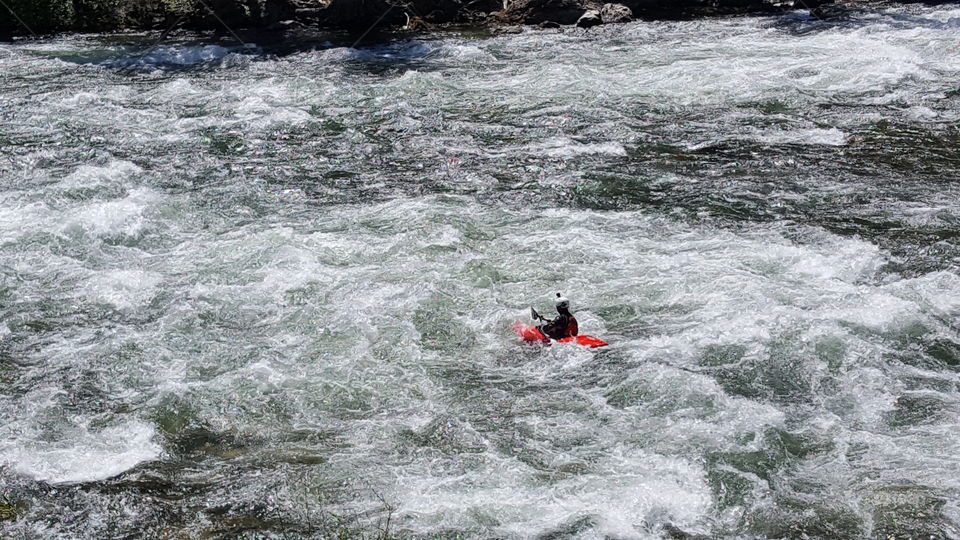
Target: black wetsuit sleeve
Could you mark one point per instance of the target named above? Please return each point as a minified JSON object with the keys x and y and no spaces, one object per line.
{"x":557,"y":328}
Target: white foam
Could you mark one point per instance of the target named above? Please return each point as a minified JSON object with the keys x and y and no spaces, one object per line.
{"x":465,"y":52}
{"x":124,"y":289}
{"x":827,"y":137}
{"x":17,"y":220}
{"x":265,"y":104}
{"x":186,"y":55}
{"x":108,"y":95}
{"x":91,"y":176}
{"x":85,"y":455}
{"x":123,"y":217}
{"x":642,"y":486}
{"x":179,"y":55}
{"x":567,"y":148}
{"x":178,"y":89}
{"x":878,"y":311}
{"x":938,"y":291}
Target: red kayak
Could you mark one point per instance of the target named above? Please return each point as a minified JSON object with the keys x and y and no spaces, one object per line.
{"x":532,"y":334}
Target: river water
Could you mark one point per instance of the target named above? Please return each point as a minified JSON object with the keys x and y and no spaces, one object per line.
{"x":267,"y":292}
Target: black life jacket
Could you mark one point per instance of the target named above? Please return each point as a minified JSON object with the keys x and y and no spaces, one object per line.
{"x":561,"y":327}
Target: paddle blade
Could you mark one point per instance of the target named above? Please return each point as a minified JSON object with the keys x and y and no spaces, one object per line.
{"x":534,"y":314}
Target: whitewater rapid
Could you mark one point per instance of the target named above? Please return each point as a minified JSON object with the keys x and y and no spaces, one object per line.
{"x":263,"y":293}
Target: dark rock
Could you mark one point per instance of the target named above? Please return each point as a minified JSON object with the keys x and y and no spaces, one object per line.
{"x":10,"y":509}
{"x":416,"y":24}
{"x":283,"y":25}
{"x":99,"y":15}
{"x":549,"y":24}
{"x":445,"y":11}
{"x":247,"y":13}
{"x":45,"y":16}
{"x":615,"y":13}
{"x":835,"y":12}
{"x":589,"y":18}
{"x":572,"y":528}
{"x":676,"y":533}
{"x":308,"y":13}
{"x":33,"y":16}
{"x":916,"y":408}
{"x":540,"y":11}
{"x":908,"y":511}
{"x":351,"y":14}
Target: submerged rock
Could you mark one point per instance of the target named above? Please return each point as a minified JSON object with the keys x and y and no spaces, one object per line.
{"x":908,"y":511}
{"x":10,"y":509}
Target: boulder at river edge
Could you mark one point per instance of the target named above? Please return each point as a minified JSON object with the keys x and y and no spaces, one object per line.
{"x":591,"y":17}
{"x":615,"y":13}
{"x":542,"y":11}
{"x":46,"y":16}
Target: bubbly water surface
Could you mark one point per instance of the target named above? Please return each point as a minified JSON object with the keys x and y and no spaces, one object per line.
{"x":246,"y":293}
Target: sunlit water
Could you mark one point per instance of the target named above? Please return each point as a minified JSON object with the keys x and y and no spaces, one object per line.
{"x":263,"y":294}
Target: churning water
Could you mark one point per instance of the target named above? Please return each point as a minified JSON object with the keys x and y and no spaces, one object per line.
{"x":246,"y":293}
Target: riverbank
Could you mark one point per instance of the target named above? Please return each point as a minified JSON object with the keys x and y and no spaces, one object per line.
{"x":33,"y":17}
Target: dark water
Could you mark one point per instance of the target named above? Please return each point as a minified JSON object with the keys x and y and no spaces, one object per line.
{"x":249,"y":292}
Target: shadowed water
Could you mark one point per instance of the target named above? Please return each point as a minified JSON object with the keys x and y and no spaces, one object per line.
{"x":263,"y":292}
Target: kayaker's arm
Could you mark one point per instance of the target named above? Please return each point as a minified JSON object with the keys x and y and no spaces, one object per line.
{"x":556,"y":328}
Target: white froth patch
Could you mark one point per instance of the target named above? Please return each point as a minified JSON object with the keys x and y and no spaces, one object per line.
{"x":879,"y":311}
{"x":268,"y":103}
{"x":627,"y":488}
{"x":16,"y":221}
{"x":124,"y":289}
{"x":848,"y":260}
{"x":872,"y":395}
{"x":106,"y":94}
{"x":177,"y":89}
{"x":733,"y":60}
{"x":333,"y":54}
{"x":566,"y":148}
{"x":445,"y":236}
{"x":293,"y":267}
{"x":465,"y":52}
{"x":259,"y":114}
{"x":815,"y":136}
{"x":185,"y":56}
{"x":264,"y":375}
{"x":87,"y":176}
{"x":938,"y":290}
{"x":921,"y":113}
{"x":85,"y":456}
{"x":114,"y":218}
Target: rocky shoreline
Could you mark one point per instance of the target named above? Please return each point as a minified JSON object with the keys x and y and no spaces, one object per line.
{"x":39,"y":17}
{"x":48,"y":16}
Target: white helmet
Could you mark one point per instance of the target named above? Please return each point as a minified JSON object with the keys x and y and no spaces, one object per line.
{"x":562,"y":302}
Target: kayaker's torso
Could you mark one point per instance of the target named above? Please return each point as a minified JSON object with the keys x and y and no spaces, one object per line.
{"x":565,"y":325}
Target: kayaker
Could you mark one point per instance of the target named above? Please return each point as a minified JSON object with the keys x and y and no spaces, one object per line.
{"x":564,"y":325}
